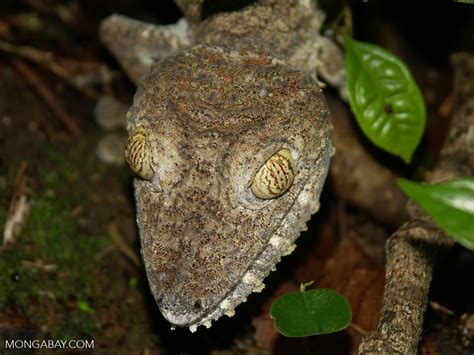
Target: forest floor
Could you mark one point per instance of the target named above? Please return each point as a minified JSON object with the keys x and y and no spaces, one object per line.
{"x":74,"y":270}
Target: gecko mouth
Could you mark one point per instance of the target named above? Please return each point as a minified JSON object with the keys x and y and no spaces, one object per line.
{"x":177,"y":319}
{"x":280,"y":244}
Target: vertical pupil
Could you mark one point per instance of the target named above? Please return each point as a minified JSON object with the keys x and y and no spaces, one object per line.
{"x":274,"y":177}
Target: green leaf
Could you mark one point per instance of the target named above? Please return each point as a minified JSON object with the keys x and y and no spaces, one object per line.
{"x":385,"y":99}
{"x":84,"y":306}
{"x":318,"y":311}
{"x":450,"y":204}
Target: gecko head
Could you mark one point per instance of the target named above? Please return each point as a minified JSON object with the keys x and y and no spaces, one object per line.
{"x":231,"y":151}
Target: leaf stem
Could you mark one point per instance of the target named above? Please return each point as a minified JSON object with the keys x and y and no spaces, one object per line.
{"x":303,"y":286}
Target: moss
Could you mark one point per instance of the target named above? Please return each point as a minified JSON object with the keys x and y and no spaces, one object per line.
{"x":54,"y":264}
{"x":76,"y":325}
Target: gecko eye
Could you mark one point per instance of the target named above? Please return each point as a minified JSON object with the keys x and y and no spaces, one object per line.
{"x":275,"y":177}
{"x":139,"y":154}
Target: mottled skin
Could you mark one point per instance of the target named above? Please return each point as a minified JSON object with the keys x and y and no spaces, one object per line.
{"x":214,"y":113}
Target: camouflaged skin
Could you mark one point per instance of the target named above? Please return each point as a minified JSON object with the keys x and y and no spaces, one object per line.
{"x":213,"y":115}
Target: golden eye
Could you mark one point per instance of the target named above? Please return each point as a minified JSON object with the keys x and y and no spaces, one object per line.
{"x":139,"y":154}
{"x":275,"y":177}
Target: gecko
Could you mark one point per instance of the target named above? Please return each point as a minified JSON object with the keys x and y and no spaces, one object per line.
{"x":229,"y":141}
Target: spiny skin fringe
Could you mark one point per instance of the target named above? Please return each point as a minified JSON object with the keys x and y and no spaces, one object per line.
{"x":283,"y":244}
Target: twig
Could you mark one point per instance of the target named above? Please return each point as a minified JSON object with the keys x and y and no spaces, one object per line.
{"x":15,"y":222}
{"x":20,"y":185}
{"x":40,"y":265}
{"x":441,"y":309}
{"x":414,"y":249}
{"x":105,"y":251}
{"x":358,"y":329}
{"x":49,"y":98}
{"x":65,"y":13}
{"x":46,"y":60}
{"x":18,"y":209}
{"x":121,"y":245}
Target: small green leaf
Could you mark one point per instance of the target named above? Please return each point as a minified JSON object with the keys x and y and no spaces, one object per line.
{"x":318,"y":311}
{"x":385,"y":99}
{"x":85,"y":307}
{"x":450,"y":204}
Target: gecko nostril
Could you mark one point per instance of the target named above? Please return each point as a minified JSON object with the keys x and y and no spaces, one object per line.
{"x":197,"y":305}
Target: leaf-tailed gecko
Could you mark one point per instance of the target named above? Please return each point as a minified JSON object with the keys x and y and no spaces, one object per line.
{"x":229,"y":138}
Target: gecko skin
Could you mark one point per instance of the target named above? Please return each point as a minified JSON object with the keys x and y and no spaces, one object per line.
{"x":229,"y":136}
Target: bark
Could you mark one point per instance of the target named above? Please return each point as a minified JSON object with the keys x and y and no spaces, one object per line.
{"x":413,"y":250}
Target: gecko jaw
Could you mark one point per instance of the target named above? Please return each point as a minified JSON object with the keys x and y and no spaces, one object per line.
{"x":280,"y":244}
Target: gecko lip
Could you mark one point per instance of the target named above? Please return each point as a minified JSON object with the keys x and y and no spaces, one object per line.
{"x":178,"y":319}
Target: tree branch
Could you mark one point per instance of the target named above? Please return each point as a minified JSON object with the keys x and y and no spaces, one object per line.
{"x":413,"y":250}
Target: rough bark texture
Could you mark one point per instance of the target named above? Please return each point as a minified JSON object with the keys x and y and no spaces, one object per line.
{"x":413,"y":250}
